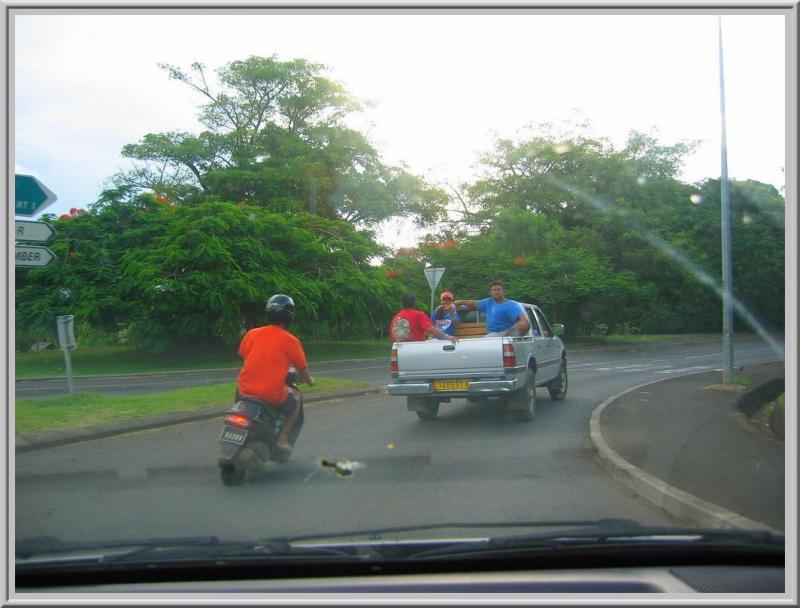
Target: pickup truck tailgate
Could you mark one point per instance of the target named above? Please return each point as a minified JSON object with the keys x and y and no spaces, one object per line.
{"x":440,"y":358}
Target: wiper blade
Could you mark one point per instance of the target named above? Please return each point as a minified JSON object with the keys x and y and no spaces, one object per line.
{"x":614,"y":533}
{"x":610,"y":534}
{"x":381,"y":533}
{"x":47,"y":550}
{"x":30,"y":547}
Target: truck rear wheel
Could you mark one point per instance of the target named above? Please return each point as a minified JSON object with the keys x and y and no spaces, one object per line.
{"x":522,"y":404}
{"x":558,"y":391}
{"x":426,"y":409}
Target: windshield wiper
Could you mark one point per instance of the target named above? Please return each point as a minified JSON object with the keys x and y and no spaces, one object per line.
{"x":611,"y":533}
{"x":381,"y":533}
{"x":48,"y":551}
{"x":382,"y":543}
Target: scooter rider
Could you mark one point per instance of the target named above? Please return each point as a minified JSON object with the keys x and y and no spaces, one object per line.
{"x":268,"y":352}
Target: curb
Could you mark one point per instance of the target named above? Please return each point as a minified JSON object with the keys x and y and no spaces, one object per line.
{"x":753,"y":399}
{"x":682,"y":505}
{"x":29,"y":442}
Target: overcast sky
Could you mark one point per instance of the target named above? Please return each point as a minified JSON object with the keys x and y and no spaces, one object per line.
{"x":443,"y":87}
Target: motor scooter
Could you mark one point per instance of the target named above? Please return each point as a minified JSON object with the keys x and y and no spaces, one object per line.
{"x":249,"y":437}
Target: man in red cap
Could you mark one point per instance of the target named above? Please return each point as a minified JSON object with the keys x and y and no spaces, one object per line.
{"x":446,"y":316}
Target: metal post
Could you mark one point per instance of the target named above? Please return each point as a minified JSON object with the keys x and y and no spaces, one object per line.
{"x":434,"y":282}
{"x":727,"y":279}
{"x":68,"y":363}
{"x":66,"y":340}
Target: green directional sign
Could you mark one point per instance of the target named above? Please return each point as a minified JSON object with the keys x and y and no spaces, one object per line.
{"x":30,"y":195}
{"x":33,"y":257}
{"x":36,"y":232}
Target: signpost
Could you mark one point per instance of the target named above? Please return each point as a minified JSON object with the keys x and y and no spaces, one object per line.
{"x":33,"y":257}
{"x":35,"y":232}
{"x":30,"y":195}
{"x":434,"y":275}
{"x":66,"y":340}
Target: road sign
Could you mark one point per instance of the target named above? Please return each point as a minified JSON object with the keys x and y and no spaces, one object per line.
{"x":28,"y":257}
{"x":434,"y":275}
{"x":30,"y":195}
{"x":38,"y":232}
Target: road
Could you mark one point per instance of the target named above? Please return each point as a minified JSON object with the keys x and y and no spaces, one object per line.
{"x":372,"y":371}
{"x":468,"y":465}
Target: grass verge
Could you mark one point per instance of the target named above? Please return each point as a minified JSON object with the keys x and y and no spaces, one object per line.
{"x":742,"y":380}
{"x":106,"y":360}
{"x":88,"y":409}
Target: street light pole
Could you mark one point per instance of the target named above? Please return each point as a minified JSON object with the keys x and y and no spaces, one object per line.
{"x":727,"y":279}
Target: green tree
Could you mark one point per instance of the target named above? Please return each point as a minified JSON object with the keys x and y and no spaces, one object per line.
{"x":168,"y":275}
{"x":275,"y":138}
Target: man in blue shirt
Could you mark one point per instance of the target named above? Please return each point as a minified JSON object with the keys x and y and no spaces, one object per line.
{"x":502,"y":315}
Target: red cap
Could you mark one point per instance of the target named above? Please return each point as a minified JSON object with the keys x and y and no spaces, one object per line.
{"x":446,"y":294}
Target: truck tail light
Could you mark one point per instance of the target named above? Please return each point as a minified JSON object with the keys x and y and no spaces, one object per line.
{"x":509,"y":356}
{"x":393,"y":362}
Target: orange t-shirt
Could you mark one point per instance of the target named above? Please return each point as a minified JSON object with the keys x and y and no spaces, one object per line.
{"x":268,"y":352}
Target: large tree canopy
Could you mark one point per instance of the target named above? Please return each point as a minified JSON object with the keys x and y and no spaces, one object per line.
{"x":608,"y":239}
{"x":164,"y":274}
{"x":275,"y":137}
{"x":605,"y":239}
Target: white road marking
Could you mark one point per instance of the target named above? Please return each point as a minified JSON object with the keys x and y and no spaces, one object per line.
{"x":684,"y":369}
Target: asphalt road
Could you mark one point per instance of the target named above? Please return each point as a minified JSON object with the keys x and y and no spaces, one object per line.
{"x":372,"y":371}
{"x":468,"y":465}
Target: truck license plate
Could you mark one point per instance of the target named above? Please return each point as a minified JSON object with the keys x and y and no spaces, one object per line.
{"x":230,"y":434}
{"x":451,"y":385}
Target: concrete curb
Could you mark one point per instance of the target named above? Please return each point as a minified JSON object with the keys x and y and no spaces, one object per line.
{"x":48,"y":439}
{"x":683,"y":505}
{"x":753,"y":399}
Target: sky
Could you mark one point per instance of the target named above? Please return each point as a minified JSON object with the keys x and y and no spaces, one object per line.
{"x":441,"y":88}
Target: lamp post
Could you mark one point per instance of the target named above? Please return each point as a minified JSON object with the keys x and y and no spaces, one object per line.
{"x":727,"y":279}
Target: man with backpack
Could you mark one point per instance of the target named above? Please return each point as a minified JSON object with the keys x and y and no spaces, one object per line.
{"x":413,"y":325}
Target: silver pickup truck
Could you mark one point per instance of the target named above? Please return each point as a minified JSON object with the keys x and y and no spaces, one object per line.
{"x":505,"y":369}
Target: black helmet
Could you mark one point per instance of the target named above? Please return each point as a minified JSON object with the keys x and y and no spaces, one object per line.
{"x":280,"y":309}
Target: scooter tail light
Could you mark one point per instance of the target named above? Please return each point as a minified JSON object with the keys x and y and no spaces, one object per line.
{"x":237,"y":420}
{"x":393,"y":362}
{"x":509,"y":356}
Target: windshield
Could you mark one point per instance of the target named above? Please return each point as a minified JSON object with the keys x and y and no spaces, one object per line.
{"x":527,"y":271}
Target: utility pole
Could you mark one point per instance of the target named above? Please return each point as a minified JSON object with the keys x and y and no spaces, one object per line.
{"x":727,"y":278}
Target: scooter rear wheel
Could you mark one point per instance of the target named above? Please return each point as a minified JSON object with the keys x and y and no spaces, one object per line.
{"x":231,"y":476}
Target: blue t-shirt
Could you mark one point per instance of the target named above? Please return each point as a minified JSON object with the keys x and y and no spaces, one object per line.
{"x":446,"y":323}
{"x":499,"y":317}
